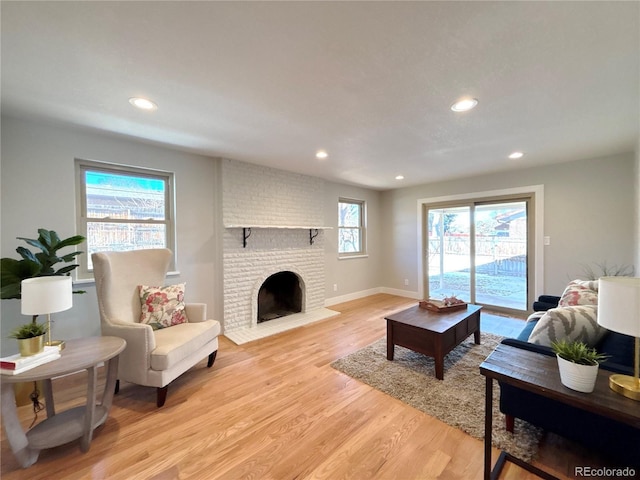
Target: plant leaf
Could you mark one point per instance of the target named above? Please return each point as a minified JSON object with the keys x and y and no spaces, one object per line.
{"x":69,"y":257}
{"x":27,"y":255}
{"x":45,"y":236}
{"x":12,"y":272}
{"x":54,"y":241}
{"x":65,"y":270}
{"x":34,"y":243}
{"x":10,"y":291}
{"x":68,"y":242}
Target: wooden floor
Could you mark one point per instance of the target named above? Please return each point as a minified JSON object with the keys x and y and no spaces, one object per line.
{"x":275,"y":409}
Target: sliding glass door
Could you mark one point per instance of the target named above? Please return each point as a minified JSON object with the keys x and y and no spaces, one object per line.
{"x":479,"y":252}
{"x":501,"y":254}
{"x":449,"y":252}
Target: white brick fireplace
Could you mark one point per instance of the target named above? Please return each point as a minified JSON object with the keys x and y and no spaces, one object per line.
{"x":269,"y":217}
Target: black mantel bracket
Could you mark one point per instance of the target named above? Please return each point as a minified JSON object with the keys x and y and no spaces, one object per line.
{"x":246,"y":233}
{"x":313,"y":233}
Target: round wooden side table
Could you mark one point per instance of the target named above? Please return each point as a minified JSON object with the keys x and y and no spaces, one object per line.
{"x":79,"y":422}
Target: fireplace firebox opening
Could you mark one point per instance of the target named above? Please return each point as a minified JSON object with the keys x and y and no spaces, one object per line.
{"x":280,"y":295}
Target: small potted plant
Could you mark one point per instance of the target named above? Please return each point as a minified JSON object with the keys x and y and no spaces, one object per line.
{"x":578,"y":364}
{"x":30,"y":338}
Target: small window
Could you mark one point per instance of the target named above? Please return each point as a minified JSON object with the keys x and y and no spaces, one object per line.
{"x":123,"y":208}
{"x":351,"y":227}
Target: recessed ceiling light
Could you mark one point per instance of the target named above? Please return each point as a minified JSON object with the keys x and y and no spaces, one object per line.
{"x":516,"y":155}
{"x":464,"y":105}
{"x":321,"y":154}
{"x":143,"y":103}
{"x":399,"y":177}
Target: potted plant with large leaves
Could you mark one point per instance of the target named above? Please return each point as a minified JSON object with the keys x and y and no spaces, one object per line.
{"x":36,"y":264}
{"x":39,"y":264}
{"x":578,"y":364}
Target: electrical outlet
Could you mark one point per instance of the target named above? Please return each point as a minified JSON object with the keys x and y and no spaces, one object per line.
{"x":406,"y":281}
{"x":547,"y":240}
{"x":335,"y":287}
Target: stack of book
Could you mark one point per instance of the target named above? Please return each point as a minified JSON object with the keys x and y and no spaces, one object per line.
{"x":16,"y":364}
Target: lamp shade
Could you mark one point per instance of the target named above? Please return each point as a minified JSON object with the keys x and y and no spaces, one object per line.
{"x":619,"y":304}
{"x":42,"y":295}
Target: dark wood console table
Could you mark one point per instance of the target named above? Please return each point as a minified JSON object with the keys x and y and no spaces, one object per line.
{"x":539,"y":374}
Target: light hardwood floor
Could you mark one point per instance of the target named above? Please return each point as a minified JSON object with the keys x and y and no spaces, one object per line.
{"x":275,"y":409}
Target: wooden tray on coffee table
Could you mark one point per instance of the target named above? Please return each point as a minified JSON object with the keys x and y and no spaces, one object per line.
{"x":438,"y":306}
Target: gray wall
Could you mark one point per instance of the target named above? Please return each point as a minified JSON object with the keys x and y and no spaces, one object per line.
{"x":637,"y":238}
{"x":592,"y":213}
{"x":589,"y":213}
{"x":38,"y":191}
{"x":352,"y":276}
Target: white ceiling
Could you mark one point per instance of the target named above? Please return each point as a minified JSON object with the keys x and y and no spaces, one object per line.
{"x":371,"y":83}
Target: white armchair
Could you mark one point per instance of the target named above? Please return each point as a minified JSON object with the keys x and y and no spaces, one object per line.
{"x":152,"y":357}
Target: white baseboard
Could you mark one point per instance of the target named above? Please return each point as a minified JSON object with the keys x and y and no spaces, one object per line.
{"x":351,"y":296}
{"x":371,"y":291}
{"x":401,"y":293}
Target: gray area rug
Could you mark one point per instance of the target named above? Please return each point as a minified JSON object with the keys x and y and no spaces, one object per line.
{"x":458,"y":400}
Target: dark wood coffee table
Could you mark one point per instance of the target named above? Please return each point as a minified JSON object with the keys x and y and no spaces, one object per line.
{"x":432,"y":333}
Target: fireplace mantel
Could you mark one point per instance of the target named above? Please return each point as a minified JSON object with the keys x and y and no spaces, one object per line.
{"x":246,"y":230}
{"x":292,"y":227}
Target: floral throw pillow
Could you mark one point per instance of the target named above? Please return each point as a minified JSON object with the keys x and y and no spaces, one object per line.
{"x":162,"y":306}
{"x":580,"y":292}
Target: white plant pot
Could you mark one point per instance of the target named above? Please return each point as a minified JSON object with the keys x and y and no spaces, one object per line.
{"x":581,"y":378}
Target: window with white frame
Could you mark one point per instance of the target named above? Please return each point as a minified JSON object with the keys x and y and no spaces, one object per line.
{"x":123,"y":208}
{"x":351,"y":227}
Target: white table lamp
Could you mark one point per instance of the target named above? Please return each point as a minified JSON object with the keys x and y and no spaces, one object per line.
{"x":619,"y":311}
{"x":47,"y":295}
